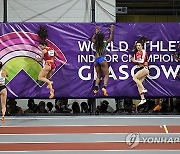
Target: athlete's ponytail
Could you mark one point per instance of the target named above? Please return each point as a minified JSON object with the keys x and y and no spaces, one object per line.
{"x":42,"y":33}
{"x":1,"y":64}
{"x":142,"y":41}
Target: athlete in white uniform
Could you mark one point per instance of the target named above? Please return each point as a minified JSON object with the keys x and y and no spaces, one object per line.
{"x":3,"y":91}
{"x":141,"y":59}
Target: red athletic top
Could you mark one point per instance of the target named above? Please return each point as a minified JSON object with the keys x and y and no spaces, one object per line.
{"x":141,"y":57}
{"x":49,"y":57}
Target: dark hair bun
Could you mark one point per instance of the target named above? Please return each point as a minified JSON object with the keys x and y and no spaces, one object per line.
{"x":42,"y":33}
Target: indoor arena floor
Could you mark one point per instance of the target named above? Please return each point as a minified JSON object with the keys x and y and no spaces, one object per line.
{"x":91,"y":134}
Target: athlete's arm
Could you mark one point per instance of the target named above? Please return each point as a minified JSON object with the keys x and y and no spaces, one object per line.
{"x":176,"y":57}
{"x":93,"y":39}
{"x":111,"y":28}
{"x":42,"y":56}
{"x":4,"y":73}
{"x":133,"y":59}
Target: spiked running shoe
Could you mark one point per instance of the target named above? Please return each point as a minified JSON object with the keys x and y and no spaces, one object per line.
{"x":3,"y":120}
{"x":142,"y":102}
{"x":95,"y":91}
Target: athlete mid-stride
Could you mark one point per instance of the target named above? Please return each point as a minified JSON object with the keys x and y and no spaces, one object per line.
{"x":3,"y":91}
{"x":140,"y":58}
{"x":48,"y":69}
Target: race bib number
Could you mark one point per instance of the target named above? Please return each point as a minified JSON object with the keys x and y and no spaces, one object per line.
{"x":51,"y":52}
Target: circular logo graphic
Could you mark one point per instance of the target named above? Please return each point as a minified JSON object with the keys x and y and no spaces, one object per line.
{"x":18,"y":51}
{"x":132,"y":140}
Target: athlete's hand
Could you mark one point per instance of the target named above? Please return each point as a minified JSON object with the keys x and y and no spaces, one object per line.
{"x":111,"y":28}
{"x":37,"y":58}
{"x":97,"y":30}
{"x":132,"y":59}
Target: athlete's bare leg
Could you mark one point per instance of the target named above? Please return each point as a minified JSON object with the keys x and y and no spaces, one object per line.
{"x":43,"y":74}
{"x":139,"y":77}
{"x":98,"y":78}
{"x":43,"y":77}
{"x":50,"y":73}
{"x":105,"y":70}
{"x":3,"y":94}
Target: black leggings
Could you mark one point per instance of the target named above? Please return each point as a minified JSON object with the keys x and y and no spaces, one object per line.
{"x":2,"y":87}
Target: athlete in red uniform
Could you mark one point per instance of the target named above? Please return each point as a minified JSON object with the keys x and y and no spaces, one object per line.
{"x":48,"y":55}
{"x":140,"y":59}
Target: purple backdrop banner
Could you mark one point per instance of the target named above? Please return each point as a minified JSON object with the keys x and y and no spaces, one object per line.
{"x":74,"y":75}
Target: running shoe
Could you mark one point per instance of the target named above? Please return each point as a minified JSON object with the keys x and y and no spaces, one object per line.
{"x":142,"y":102}
{"x":95,"y":91}
{"x":3,"y":120}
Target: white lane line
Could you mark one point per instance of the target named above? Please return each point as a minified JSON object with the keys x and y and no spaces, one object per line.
{"x":68,"y":142}
{"x":61,"y":142}
{"x":69,"y":125}
{"x":94,"y":151}
{"x":75,"y":125}
{"x":91,"y":117}
{"x":55,"y":134}
{"x":34,"y":126}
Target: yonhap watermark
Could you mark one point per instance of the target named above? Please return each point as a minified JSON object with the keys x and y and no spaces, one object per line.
{"x":134,"y":139}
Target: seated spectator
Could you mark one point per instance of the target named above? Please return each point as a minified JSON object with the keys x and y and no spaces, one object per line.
{"x":134,"y":108}
{"x":32,"y":107}
{"x":57,"y":106}
{"x":64,"y":106}
{"x":161,"y":105}
{"x":84,"y":107}
{"x":158,"y":105}
{"x":176,"y":104}
{"x":50,"y":107}
{"x":97,"y":111}
{"x":75,"y":107}
{"x":104,"y":107}
{"x":165,"y":104}
{"x":123,"y":105}
{"x":128,"y":104}
{"x":41,"y":107}
{"x":61,"y":106}
{"x":119,"y":105}
{"x":12,"y":107}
